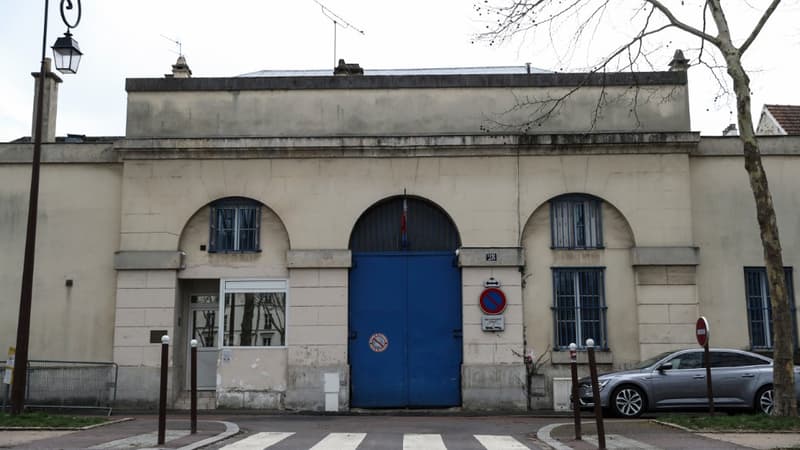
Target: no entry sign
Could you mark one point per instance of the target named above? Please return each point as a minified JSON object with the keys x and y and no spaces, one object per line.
{"x":492,"y":301}
{"x":701,"y":331}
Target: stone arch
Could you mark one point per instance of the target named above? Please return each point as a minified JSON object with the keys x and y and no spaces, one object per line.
{"x":269,"y":261}
{"x":429,"y":227}
{"x":614,"y":258}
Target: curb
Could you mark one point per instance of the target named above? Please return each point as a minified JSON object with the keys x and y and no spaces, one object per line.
{"x":230,"y":430}
{"x":87,"y":427}
{"x":672,"y":425}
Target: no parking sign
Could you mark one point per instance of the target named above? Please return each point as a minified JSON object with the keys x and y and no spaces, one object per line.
{"x":492,"y":301}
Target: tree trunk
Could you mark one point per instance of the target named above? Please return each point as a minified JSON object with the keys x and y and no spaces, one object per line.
{"x":783,"y":365}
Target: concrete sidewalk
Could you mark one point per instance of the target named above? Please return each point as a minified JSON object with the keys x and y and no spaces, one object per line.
{"x":139,"y":432}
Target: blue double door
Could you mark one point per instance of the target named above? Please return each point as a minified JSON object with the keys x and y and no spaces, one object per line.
{"x":405,"y":334}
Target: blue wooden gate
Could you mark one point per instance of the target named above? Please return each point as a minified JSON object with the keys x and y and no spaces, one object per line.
{"x":405,"y":330}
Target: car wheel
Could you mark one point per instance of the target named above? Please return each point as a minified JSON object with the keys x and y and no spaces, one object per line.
{"x":764,"y":400}
{"x":628,"y":401}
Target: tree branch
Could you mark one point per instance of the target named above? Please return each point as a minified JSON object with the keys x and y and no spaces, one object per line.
{"x":761,"y":22}
{"x":677,"y":23}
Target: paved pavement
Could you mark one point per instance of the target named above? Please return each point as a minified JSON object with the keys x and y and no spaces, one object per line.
{"x":384,"y":432}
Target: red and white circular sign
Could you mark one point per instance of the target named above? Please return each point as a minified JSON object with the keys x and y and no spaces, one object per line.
{"x":701,"y":331}
{"x":378,"y":342}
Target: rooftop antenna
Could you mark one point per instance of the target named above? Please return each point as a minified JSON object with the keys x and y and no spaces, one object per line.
{"x":176,"y":42}
{"x":337,"y":22}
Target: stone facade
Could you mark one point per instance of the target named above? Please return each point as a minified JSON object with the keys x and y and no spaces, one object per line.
{"x":128,"y":221}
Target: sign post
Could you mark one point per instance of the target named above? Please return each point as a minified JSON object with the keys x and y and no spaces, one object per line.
{"x":702,"y":334}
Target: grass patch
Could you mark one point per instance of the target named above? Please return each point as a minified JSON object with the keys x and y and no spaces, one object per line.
{"x":40,"y":419}
{"x":738,"y":422}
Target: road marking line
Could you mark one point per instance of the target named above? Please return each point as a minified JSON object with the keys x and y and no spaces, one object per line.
{"x":499,"y":442}
{"x":258,"y":441}
{"x":340,"y":441}
{"x":617,"y":441}
{"x":144,"y":440}
{"x":423,"y":442}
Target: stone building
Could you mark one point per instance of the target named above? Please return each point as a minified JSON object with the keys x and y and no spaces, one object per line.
{"x":329,"y":239}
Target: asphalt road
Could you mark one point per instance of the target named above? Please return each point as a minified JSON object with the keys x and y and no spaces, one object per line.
{"x":374,"y":432}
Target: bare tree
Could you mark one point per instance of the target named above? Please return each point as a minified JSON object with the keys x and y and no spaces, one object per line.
{"x":650,"y":20}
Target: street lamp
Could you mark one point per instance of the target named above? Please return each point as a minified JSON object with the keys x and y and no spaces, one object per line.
{"x":67,"y":56}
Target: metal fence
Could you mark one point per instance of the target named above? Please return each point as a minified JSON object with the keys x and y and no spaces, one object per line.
{"x":71,"y":384}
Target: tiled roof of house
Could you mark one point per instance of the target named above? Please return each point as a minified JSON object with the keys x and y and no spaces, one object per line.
{"x":787,"y":116}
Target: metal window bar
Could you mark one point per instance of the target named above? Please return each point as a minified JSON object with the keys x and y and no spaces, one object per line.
{"x":759,"y":307}
{"x":71,"y":384}
{"x":579,"y":306}
{"x":576,"y":223}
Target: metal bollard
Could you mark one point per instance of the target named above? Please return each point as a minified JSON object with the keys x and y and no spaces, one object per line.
{"x":598,"y":409}
{"x":576,"y":402}
{"x":194,"y":386}
{"x":162,"y":400}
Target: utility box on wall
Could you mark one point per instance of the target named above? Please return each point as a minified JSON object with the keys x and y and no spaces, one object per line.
{"x":561,"y":392}
{"x":331,"y":392}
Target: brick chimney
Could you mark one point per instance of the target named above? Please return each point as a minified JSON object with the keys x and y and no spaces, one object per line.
{"x":180,"y":69}
{"x":679,"y":62}
{"x":348,"y":69}
{"x":50,"y":105}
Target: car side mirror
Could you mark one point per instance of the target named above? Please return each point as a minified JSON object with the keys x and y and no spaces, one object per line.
{"x":666,"y":366}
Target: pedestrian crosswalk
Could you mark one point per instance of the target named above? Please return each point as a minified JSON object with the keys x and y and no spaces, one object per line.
{"x":352,"y":441}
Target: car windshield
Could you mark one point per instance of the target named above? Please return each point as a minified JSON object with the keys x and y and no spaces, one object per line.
{"x":650,"y":361}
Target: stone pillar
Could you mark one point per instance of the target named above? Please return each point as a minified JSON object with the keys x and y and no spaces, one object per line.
{"x":493,"y":369}
{"x":666,"y":297}
{"x":50,"y":103}
{"x":145,"y":310}
{"x":317,"y":334}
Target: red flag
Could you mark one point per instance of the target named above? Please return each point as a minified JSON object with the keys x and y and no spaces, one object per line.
{"x":403,"y":229}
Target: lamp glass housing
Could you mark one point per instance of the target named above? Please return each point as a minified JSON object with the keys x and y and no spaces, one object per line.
{"x":67,"y":54}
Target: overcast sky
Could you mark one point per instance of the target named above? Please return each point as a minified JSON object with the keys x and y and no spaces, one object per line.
{"x":123,"y":39}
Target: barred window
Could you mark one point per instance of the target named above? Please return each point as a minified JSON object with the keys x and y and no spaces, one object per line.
{"x":579,"y":306}
{"x":759,"y":307}
{"x":235,"y":226}
{"x":575,"y":222}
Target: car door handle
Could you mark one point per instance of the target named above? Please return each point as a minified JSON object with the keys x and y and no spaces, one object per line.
{"x":457,"y":334}
{"x":699,"y":377}
{"x":748,"y":375}
{"x":353,"y":335}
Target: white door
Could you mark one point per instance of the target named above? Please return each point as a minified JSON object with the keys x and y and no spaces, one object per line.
{"x":203,"y":310}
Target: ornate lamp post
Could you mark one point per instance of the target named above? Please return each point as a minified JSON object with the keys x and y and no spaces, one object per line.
{"x":67,"y":57}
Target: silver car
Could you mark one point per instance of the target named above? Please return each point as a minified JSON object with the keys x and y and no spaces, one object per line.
{"x":675,"y":380}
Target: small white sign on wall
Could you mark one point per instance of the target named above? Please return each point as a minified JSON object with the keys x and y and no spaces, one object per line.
{"x":493,"y":323}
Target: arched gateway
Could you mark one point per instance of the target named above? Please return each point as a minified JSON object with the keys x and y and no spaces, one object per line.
{"x":405,"y":307}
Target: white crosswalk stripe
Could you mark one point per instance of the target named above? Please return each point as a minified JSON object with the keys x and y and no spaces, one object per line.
{"x":340,"y":441}
{"x":499,"y":442}
{"x":351,"y":441}
{"x":423,"y":442}
{"x":258,"y":441}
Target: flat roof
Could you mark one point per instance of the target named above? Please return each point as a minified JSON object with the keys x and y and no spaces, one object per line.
{"x":417,"y":81}
{"x":488,"y":70}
